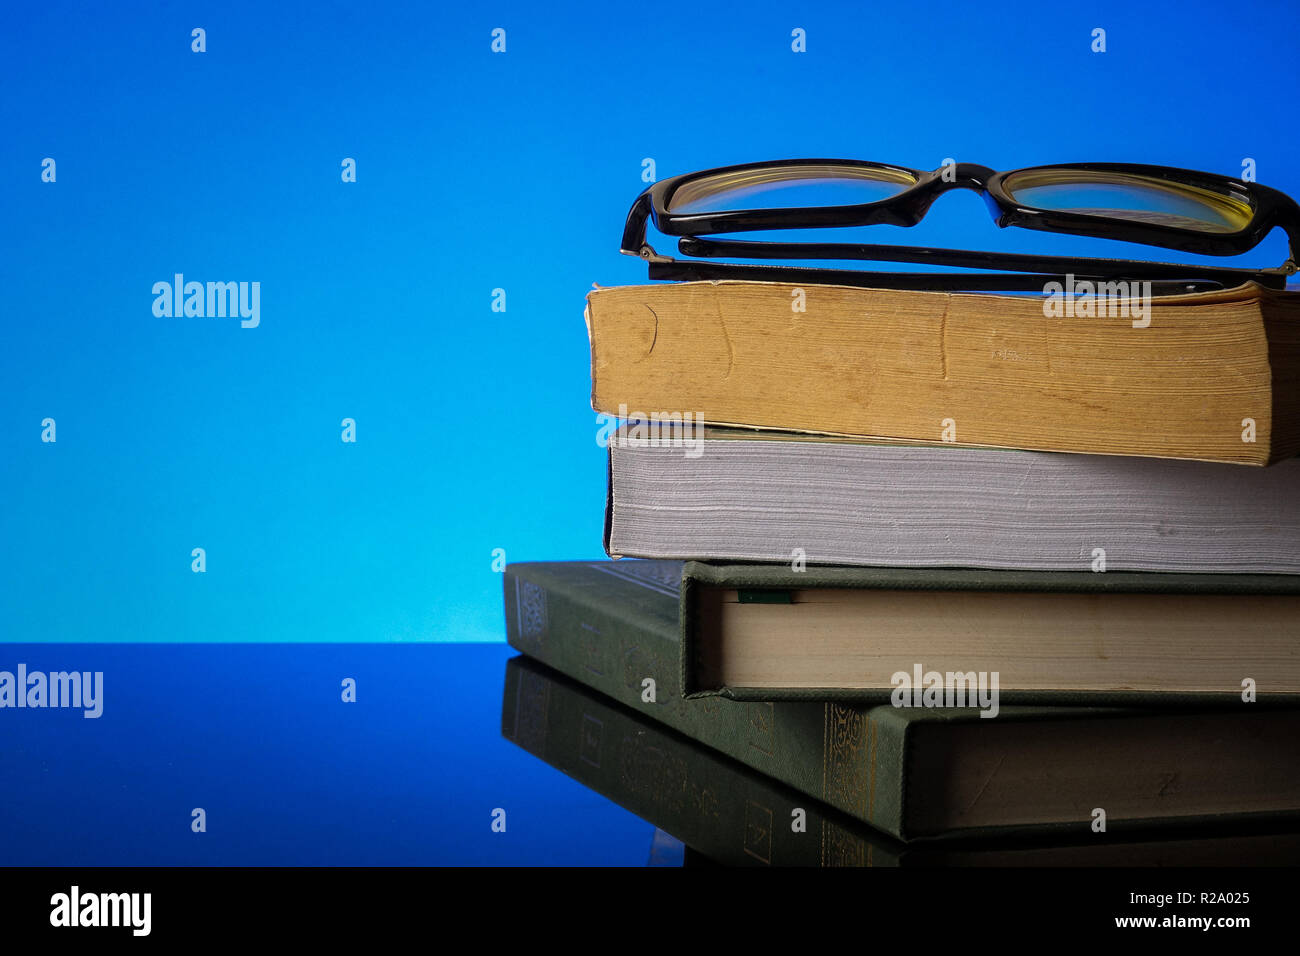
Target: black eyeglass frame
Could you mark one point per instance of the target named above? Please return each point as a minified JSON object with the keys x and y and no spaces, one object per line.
{"x":1271,"y":209}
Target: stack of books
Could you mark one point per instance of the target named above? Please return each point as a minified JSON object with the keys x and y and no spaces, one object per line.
{"x":901,"y":572}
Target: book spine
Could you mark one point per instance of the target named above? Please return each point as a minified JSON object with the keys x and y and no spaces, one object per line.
{"x":611,"y":640}
{"x":730,"y":815}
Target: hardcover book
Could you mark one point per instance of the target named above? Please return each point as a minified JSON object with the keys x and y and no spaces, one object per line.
{"x":1210,"y":375}
{"x":732,"y":815}
{"x":913,"y":772}
{"x":877,"y":635}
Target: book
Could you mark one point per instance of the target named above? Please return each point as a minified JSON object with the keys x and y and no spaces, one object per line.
{"x":915,"y":773}
{"x":729,"y":814}
{"x":734,"y":495}
{"x":1210,"y":375}
{"x":877,"y":635}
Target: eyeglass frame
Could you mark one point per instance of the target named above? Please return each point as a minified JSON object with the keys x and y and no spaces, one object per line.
{"x":1271,"y":209}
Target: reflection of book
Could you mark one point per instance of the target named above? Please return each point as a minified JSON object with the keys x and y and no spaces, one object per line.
{"x":734,"y":495}
{"x":767,"y":632}
{"x":1210,"y":376}
{"x":712,"y":804}
{"x":665,"y":849}
{"x":917,"y":772}
{"x":731,"y":814}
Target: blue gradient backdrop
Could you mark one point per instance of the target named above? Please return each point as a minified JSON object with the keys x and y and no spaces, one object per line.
{"x":475,"y":171}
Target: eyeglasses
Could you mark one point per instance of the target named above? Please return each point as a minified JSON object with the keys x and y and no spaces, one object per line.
{"x":1155,"y":205}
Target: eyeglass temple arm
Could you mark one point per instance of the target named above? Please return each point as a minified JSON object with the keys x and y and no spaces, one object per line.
{"x":699,"y":269}
{"x":634,"y":230}
{"x":957,"y":258}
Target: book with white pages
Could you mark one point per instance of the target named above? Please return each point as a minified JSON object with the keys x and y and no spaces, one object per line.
{"x":727,"y":494}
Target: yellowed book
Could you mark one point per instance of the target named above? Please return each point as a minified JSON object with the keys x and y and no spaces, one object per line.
{"x":1211,"y":375}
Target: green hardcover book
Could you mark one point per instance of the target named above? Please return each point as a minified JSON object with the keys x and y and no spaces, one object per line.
{"x":912,"y":772}
{"x":981,"y":637}
{"x":728,"y":814}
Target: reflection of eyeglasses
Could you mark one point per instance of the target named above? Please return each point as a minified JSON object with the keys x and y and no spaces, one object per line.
{"x":1155,"y":205}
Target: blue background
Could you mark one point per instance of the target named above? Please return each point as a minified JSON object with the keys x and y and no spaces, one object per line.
{"x":475,"y":171}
